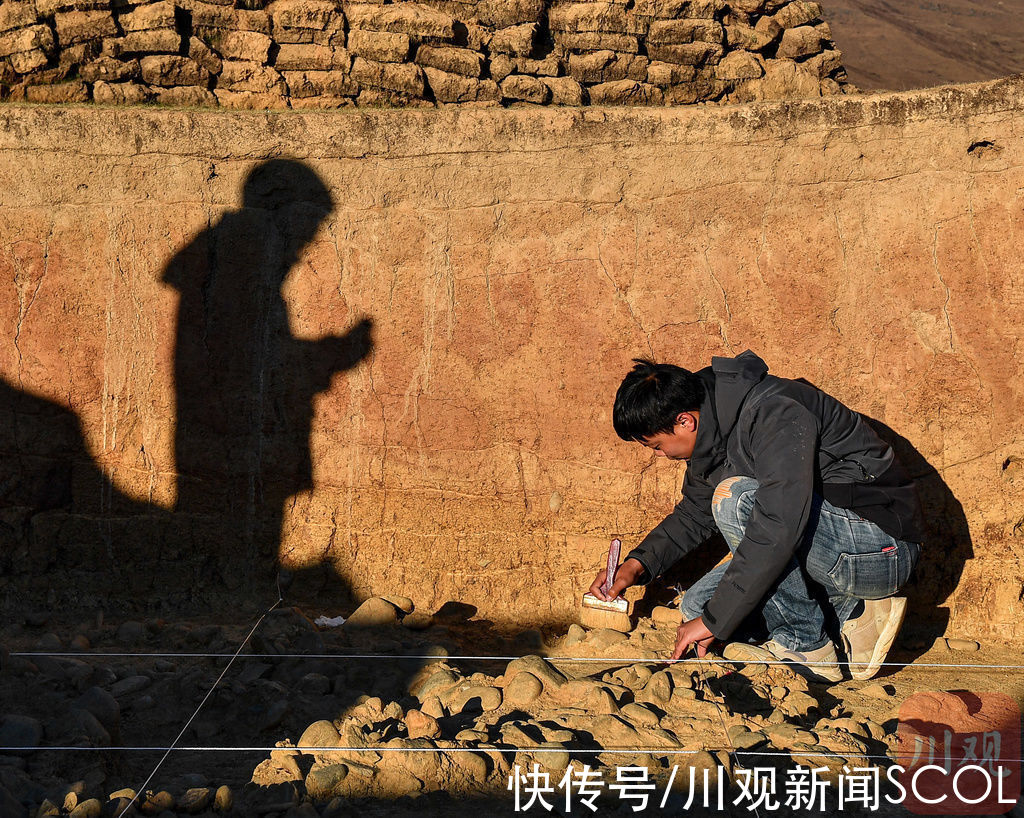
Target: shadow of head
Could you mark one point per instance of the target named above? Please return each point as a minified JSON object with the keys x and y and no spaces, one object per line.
{"x":292,"y":196}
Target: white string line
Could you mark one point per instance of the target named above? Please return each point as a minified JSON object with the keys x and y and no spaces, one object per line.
{"x":280,"y":599}
{"x":636,"y":660}
{"x":655,"y":751}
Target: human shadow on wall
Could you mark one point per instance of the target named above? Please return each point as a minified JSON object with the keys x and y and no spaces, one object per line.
{"x":946,"y":549}
{"x":244,"y":385}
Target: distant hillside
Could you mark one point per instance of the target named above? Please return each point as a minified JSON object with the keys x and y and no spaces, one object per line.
{"x":902,"y":44}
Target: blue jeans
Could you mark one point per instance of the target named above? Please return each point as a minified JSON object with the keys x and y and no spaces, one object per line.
{"x":841,"y":560}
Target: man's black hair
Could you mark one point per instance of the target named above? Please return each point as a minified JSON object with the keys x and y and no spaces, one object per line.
{"x":650,"y":398}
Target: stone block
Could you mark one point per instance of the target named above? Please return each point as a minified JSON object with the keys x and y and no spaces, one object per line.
{"x":674,"y":32}
{"x":145,"y":18}
{"x":607,"y":66}
{"x":797,"y":13}
{"x":505,"y":13}
{"x":187,"y":96}
{"x":675,"y":9}
{"x":665,"y":73}
{"x":33,"y":38}
{"x":564,"y":90}
{"x":515,"y":40}
{"x":250,"y":46}
{"x":548,"y":67}
{"x":120,"y":93}
{"x":208,"y":15}
{"x":254,"y":77}
{"x":17,"y":15}
{"x":204,"y":55}
{"x":250,"y":100}
{"x":625,"y":92}
{"x":303,"y":84}
{"x":404,"y":78}
{"x":61,"y":92}
{"x":25,"y":62}
{"x":739,"y":65}
{"x":460,"y":61}
{"x":825,"y":63}
{"x":748,"y":38}
{"x":597,"y":41}
{"x":314,"y":15}
{"x":803,"y":41}
{"x":748,"y":6}
{"x":769,"y":29}
{"x":686,"y":53}
{"x":783,"y":79}
{"x":382,"y":46}
{"x":156,"y":41}
{"x":700,"y":89}
{"x":47,"y":8}
{"x":308,"y":56}
{"x":501,"y":66}
{"x":525,"y":89}
{"x":575,"y":18}
{"x":450,"y":88}
{"x":167,"y":71}
{"x":413,"y":19}
{"x":111,"y":71}
{"x":74,"y":55}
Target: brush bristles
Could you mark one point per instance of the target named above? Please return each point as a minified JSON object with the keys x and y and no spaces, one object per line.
{"x":615,"y":605}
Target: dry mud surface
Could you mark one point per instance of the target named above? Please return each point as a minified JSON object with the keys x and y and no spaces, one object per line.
{"x":332,"y":732}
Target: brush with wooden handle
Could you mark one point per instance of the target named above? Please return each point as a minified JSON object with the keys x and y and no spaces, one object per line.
{"x":612,"y":613}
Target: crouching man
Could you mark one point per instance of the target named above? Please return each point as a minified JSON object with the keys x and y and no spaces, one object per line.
{"x":812,"y":504}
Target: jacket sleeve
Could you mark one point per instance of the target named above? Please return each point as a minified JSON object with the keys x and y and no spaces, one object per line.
{"x":689,"y":524}
{"x":782,"y":441}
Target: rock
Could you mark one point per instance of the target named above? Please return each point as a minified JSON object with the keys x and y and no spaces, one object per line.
{"x":526,"y":89}
{"x":475,"y":698}
{"x":877,"y":691}
{"x":515,"y":40}
{"x":742,"y":738}
{"x":223,"y":799}
{"x":625,"y":92}
{"x":167,"y":71}
{"x":460,"y":61}
{"x":408,"y":18}
{"x":90,"y":808}
{"x":658,"y":689}
{"x":962,"y":644}
{"x":104,"y":707}
{"x":739,"y":65}
{"x":251,"y":46}
{"x":373,"y":612}
{"x":403,"y":603}
{"x":319,"y":734}
{"x":379,"y":45}
{"x":403,"y":78}
{"x":20,"y":731}
{"x":324,"y":780}
{"x":603,"y":638}
{"x":523,"y":690}
{"x":662,"y":615}
{"x":639,"y":715}
{"x":156,"y":802}
{"x":129,"y":685}
{"x":564,"y":91}
{"x":433,"y":681}
{"x":420,"y":725}
{"x":418,"y":621}
{"x":574,"y":635}
{"x":699,"y":53}
{"x":803,"y":41}
{"x":551,"y":678}
{"x":431,"y":706}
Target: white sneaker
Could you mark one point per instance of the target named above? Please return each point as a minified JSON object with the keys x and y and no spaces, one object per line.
{"x":867,"y":638}
{"x":821,"y":665}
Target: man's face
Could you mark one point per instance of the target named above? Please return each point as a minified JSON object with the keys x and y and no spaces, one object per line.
{"x":677,"y":444}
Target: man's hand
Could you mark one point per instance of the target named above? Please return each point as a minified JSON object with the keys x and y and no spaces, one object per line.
{"x":694,"y":632}
{"x":626,"y":576}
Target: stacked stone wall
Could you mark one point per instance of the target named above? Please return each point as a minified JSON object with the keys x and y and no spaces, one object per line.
{"x":329,"y":54}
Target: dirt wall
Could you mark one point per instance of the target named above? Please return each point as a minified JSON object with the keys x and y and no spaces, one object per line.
{"x":423,"y":406}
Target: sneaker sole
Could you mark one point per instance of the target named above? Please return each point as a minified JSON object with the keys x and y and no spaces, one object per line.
{"x":736,"y":652}
{"x":897,"y":613}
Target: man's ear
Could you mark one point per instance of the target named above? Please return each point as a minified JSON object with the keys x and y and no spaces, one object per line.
{"x":687,"y":420}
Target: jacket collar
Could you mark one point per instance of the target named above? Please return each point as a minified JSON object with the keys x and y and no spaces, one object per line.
{"x":734,"y":378}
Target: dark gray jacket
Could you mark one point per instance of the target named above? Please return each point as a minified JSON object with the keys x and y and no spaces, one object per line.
{"x":795,"y":440}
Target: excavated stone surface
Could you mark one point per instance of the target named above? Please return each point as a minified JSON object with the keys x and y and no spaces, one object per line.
{"x":512,"y":263}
